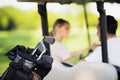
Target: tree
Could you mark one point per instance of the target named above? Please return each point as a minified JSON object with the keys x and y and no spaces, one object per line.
{"x":10,"y":17}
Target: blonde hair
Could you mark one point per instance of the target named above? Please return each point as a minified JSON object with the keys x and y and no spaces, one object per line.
{"x":59,"y":22}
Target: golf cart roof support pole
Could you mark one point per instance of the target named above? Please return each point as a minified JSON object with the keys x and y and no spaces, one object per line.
{"x":103,"y":30}
{"x":43,"y":12}
{"x":86,"y":22}
{"x":87,"y":26}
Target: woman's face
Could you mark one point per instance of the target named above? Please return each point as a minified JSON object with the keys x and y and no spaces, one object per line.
{"x":64,"y":30}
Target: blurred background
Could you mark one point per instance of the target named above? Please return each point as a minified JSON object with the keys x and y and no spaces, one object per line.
{"x":20,"y":24}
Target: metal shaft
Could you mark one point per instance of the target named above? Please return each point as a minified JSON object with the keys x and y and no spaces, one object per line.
{"x":43,"y":12}
{"x":103,"y":30}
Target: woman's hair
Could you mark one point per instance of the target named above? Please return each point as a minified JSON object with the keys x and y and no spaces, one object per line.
{"x":59,"y":22}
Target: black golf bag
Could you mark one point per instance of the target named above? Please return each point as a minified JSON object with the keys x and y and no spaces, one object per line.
{"x":28,"y":64}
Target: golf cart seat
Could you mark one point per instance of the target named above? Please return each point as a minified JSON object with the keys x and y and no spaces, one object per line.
{"x":118,"y":71}
{"x":82,"y":71}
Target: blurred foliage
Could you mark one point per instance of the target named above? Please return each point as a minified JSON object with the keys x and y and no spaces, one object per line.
{"x":12,"y":18}
{"x":51,"y":18}
{"x":118,"y":30}
{"x":31,"y":20}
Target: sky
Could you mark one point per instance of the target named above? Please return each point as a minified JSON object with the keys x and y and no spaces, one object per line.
{"x":111,"y":9}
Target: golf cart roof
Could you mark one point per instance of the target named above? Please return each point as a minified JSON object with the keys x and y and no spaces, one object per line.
{"x":68,"y":1}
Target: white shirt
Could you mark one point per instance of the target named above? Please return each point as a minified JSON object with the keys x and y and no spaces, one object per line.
{"x":59,"y":51}
{"x":113,"y":52}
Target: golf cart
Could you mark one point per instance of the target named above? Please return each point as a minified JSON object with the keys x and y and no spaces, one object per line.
{"x":86,"y":70}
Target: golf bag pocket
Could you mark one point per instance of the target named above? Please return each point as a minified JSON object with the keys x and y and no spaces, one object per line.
{"x":18,"y":71}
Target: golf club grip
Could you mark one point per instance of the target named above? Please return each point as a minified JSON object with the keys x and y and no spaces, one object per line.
{"x":49,"y":40}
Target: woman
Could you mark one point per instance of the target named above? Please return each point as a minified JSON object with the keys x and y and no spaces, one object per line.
{"x":59,"y":52}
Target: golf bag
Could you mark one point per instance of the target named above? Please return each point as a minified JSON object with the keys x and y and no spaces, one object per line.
{"x":28,"y":64}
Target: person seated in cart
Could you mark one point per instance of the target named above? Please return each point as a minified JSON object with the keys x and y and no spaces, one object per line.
{"x":59,"y":51}
{"x":113,"y":44}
